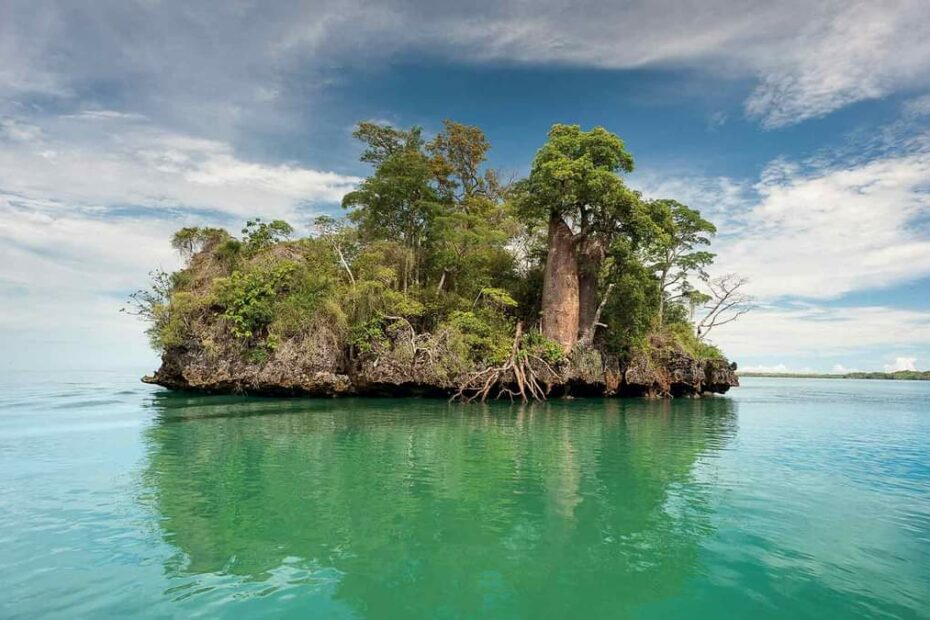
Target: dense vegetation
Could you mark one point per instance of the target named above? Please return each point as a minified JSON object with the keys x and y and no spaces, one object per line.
{"x":438,"y":253}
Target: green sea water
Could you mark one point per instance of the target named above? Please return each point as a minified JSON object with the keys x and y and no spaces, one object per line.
{"x":788,"y":498}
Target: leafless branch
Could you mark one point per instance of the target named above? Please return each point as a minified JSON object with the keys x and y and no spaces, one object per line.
{"x":588,"y":337}
{"x":727,"y":303}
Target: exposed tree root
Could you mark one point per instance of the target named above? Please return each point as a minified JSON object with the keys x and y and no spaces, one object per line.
{"x":516,"y":377}
{"x":415,"y":339}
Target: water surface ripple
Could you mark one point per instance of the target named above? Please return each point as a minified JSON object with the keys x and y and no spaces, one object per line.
{"x":787,"y":499}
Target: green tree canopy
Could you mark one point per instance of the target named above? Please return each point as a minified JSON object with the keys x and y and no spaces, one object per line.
{"x":674,"y":253}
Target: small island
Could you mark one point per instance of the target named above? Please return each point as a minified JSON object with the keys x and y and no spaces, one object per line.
{"x":446,"y":280}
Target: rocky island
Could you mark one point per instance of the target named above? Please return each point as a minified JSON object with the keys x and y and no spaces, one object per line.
{"x":444,"y":280}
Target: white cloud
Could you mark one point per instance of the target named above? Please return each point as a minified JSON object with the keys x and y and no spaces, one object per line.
{"x":64,"y":274}
{"x":767,"y":368}
{"x":902,"y":363}
{"x":87,"y":205}
{"x":845,"y":54}
{"x":809,"y":58}
{"x":825,"y":232}
{"x":917,"y":107}
{"x":114,"y":159}
{"x":722,"y":200}
{"x":821,"y":331}
{"x":18,"y":131}
{"x":816,"y":230}
{"x":219,"y":59}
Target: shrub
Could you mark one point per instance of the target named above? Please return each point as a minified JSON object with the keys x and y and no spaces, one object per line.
{"x":368,"y":336}
{"x":258,"y":235}
{"x":683,"y":335}
{"x":248,"y":298}
{"x":228,"y":253}
{"x":545,"y":348}
{"x":487,"y":337}
{"x":179,"y":317}
{"x":311,"y":298}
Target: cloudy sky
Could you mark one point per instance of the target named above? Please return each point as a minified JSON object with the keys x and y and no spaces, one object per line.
{"x":802,"y":128}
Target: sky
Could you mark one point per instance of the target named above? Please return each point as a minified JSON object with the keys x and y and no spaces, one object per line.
{"x":802,"y":129}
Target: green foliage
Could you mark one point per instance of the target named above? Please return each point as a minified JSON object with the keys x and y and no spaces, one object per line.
{"x":497,"y":297}
{"x":630,"y":313}
{"x":575,"y":175}
{"x":901,"y":375}
{"x":181,"y":280}
{"x":544,"y":348}
{"x":258,"y":234}
{"x":468,"y":250}
{"x":228,"y":253}
{"x":179,"y":317}
{"x":188,"y":241}
{"x":373,"y":299}
{"x":309,"y":303}
{"x":527,"y":291}
{"x":457,"y":154}
{"x":368,"y":336}
{"x":249,"y":298}
{"x":486,"y":335}
{"x":437,"y":203}
{"x":152,"y":305}
{"x":683,"y":335}
{"x":397,"y":201}
{"x":259,"y":354}
{"x":671,"y":252}
{"x":383,"y":141}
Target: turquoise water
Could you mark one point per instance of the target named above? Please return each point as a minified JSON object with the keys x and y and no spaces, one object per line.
{"x":787,"y":499}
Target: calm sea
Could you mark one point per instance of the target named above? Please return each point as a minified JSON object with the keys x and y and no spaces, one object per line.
{"x":787,"y":499}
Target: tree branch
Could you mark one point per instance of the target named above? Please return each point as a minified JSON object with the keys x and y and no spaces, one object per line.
{"x":588,"y":337}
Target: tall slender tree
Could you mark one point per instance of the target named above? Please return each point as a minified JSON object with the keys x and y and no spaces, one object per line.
{"x":674,"y":253}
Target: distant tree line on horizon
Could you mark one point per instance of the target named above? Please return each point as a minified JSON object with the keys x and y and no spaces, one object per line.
{"x":900,"y":375}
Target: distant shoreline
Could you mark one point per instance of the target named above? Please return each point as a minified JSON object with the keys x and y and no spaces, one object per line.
{"x":900,"y":375}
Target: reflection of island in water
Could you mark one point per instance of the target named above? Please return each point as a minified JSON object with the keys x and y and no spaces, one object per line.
{"x":417,"y":508}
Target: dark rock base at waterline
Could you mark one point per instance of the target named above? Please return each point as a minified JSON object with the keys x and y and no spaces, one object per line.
{"x":663,"y":374}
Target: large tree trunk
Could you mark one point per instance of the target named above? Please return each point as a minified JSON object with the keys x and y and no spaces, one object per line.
{"x":560,"y":286}
{"x":590,"y":258}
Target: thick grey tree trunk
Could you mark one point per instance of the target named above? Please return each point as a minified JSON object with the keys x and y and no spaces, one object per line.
{"x":560,"y":286}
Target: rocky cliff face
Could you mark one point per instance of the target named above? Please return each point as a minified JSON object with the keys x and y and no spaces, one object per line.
{"x":314,"y":369}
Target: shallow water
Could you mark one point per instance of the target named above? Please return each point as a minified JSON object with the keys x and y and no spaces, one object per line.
{"x":789,"y":498}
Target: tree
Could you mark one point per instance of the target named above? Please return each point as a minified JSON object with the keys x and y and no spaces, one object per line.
{"x":693,"y":299}
{"x":436,"y":200}
{"x":258,"y":234}
{"x":190,"y":240}
{"x":672,"y":254}
{"x":398,"y":202}
{"x":457,"y":154}
{"x":152,"y":304}
{"x":383,"y":141}
{"x":726,"y":303}
{"x":335,"y":232}
{"x":473,"y":227}
{"x":575,"y":186}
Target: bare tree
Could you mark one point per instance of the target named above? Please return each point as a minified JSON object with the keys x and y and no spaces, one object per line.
{"x":152,"y":304}
{"x":146,"y":303}
{"x":726,"y":303}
